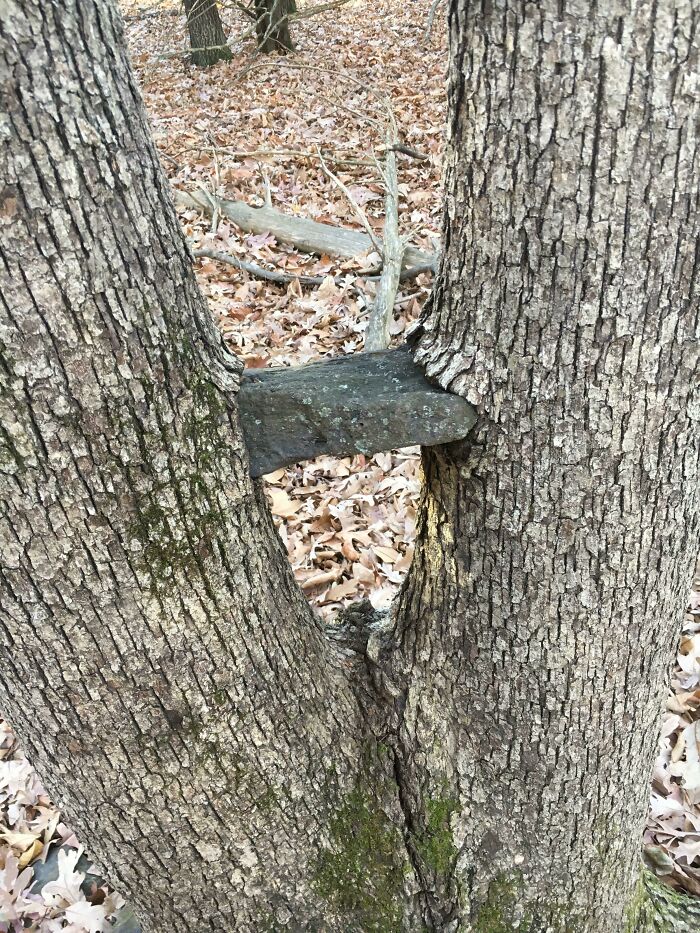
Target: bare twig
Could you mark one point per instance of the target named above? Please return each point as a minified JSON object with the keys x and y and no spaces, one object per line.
{"x":313,"y":10}
{"x":413,"y":153}
{"x":248,"y":11}
{"x":284,"y":278}
{"x":277,"y":153}
{"x":431,"y":16}
{"x":217,"y":185}
{"x":213,"y":204}
{"x":361,"y":216}
{"x":258,"y":272}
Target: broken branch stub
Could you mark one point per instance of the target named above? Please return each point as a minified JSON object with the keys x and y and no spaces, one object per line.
{"x":378,"y":334}
{"x":362,"y":403}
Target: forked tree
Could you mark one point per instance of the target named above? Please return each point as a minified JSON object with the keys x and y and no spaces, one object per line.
{"x":478,"y":758}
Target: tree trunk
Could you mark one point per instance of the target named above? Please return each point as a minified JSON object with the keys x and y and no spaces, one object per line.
{"x":164,"y":671}
{"x":564,"y":535}
{"x":272,"y":26}
{"x":477,"y":760}
{"x":207,"y":36}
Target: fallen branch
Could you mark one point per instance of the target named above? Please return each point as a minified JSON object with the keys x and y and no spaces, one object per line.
{"x":258,"y":272}
{"x":377,"y":335}
{"x":410,"y":151}
{"x":361,"y":403}
{"x":274,"y":153}
{"x":306,"y":235}
{"x":285,"y":278}
{"x":314,"y":10}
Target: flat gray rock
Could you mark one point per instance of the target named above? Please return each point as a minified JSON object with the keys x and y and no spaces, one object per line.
{"x":361,"y":403}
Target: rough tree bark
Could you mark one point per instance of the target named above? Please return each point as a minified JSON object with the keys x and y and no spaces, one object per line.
{"x":478,"y":759}
{"x":207,"y":36}
{"x":272,"y":25}
{"x":566,"y":311}
{"x":164,"y":671}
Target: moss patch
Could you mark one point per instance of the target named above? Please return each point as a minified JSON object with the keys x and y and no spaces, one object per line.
{"x":361,"y":874}
{"x":506,"y":910}
{"x":657,"y":908}
{"x":177,"y":520}
{"x":435,"y":845}
{"x":499,"y":913}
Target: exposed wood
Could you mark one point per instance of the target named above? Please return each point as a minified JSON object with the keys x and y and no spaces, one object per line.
{"x":362,"y":403}
{"x":377,"y":336}
{"x":306,"y":235}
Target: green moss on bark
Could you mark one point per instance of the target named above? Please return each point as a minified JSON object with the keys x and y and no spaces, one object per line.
{"x":361,"y":873}
{"x":656,"y":908}
{"x":435,"y":845}
{"x":507,"y":909}
{"x":178,"y":520}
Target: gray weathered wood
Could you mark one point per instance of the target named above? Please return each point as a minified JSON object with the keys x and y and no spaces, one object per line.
{"x":378,"y":336}
{"x":361,"y":403}
{"x":309,"y":236}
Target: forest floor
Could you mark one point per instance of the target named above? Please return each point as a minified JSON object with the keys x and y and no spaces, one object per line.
{"x":277,"y":128}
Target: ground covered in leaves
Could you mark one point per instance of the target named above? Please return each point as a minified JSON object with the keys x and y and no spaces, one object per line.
{"x":276,"y":130}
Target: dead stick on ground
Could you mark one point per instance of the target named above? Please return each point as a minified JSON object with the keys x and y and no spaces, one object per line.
{"x":284,"y":278}
{"x":258,"y":272}
{"x":305,"y":235}
{"x":431,"y":16}
{"x":272,"y":153}
{"x":377,"y":335}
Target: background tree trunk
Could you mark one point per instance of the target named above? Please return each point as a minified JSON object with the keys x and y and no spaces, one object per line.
{"x":565,"y":533}
{"x":272,"y":26}
{"x":207,"y":36}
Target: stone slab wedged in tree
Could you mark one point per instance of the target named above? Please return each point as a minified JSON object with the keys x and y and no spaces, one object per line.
{"x":308,"y":236}
{"x":362,"y":403}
